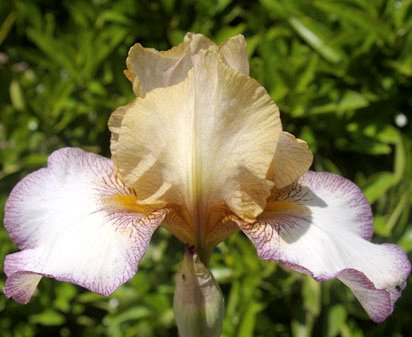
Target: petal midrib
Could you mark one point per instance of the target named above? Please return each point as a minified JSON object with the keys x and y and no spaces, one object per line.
{"x":198,"y":213}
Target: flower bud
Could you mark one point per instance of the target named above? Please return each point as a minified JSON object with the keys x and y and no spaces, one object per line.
{"x":198,"y":301}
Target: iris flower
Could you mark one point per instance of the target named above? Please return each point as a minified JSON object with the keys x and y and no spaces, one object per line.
{"x":201,"y":152}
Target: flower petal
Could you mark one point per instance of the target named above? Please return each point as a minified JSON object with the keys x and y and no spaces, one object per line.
{"x":148,"y":68}
{"x":321,"y":226}
{"x":234,"y":53}
{"x":115,"y":121}
{"x":203,"y":143}
{"x":292,"y":159}
{"x":378,"y":303}
{"x":75,"y":221}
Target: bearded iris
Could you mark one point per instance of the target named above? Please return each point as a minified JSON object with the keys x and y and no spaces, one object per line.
{"x":200,"y":151}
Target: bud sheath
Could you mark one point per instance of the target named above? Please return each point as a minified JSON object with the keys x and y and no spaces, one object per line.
{"x":198,"y":301}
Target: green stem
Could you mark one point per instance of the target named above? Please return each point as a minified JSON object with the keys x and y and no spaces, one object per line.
{"x":205,"y":255}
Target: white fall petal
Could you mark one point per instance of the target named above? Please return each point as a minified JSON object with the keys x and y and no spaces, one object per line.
{"x":321,"y":226}
{"x":74,"y":221}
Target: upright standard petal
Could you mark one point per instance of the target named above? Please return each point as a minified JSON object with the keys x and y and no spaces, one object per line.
{"x":114,"y":124}
{"x":148,"y":68}
{"x":321,"y":226}
{"x":201,"y":144}
{"x":75,"y":221}
{"x":292,"y":160}
{"x":234,"y":54}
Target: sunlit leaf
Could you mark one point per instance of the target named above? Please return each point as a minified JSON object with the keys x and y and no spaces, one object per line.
{"x":316,"y":36}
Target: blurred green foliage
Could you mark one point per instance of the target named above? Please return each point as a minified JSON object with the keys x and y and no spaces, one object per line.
{"x":341,"y":73}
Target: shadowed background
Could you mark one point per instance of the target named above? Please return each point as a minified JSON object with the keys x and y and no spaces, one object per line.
{"x":341,"y":74}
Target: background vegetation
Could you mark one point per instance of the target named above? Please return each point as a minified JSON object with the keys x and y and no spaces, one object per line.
{"x":341,"y":73}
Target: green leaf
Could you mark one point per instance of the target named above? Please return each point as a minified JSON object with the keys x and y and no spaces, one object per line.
{"x":380,"y":226}
{"x":336,"y":320}
{"x":49,"y":317}
{"x":227,"y":32}
{"x":379,"y":184}
{"x":311,"y":296}
{"x":362,"y":19}
{"x":352,"y":100}
{"x":16,"y":96}
{"x":248,"y":320}
{"x":405,"y":241}
{"x":57,"y":51}
{"x":317,"y":36}
{"x":300,"y":329}
{"x":132,"y":314}
{"x":7,"y":25}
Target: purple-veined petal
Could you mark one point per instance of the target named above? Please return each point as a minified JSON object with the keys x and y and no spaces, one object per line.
{"x":75,"y":221}
{"x":321,"y":226}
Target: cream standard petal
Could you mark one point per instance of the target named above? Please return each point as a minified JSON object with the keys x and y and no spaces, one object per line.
{"x":75,"y":221}
{"x":321,"y":226}
{"x":205,"y":142}
{"x":234,"y":54}
{"x":148,"y":68}
{"x":115,"y":121}
{"x":292,"y":159}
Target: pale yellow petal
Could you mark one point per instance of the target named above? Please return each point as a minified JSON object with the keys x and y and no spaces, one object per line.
{"x":205,"y":142}
{"x":115,"y":121}
{"x":234,"y":54}
{"x":292,"y":159}
{"x":148,"y":68}
{"x":225,"y":224}
{"x":177,"y":226}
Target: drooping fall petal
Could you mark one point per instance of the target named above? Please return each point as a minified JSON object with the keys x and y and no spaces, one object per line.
{"x":205,"y":142}
{"x":75,"y":221}
{"x":321,"y":226}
